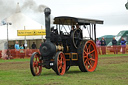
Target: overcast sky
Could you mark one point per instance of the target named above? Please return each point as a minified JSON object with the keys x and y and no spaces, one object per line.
{"x":112,"y":12}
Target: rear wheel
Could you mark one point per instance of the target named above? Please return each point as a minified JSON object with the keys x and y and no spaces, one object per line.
{"x":35,"y":64}
{"x":88,"y":56}
{"x":60,"y":63}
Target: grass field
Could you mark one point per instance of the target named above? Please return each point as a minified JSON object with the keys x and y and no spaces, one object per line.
{"x":111,"y":70}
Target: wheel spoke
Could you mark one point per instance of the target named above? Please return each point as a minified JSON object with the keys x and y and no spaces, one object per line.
{"x":85,"y":61}
{"x":92,"y":59}
{"x":59,"y":68}
{"x":92,"y":51}
{"x":59,"y":61}
{"x":36,"y":58}
{"x":33,"y":64}
{"x":90,"y":66}
{"x":61,"y":57}
{"x":89,"y":48}
{"x":85,"y":57}
{"x":35,"y":69}
{"x":85,"y":52}
{"x":86,"y":64}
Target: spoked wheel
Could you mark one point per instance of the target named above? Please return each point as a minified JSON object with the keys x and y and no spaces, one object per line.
{"x":60,"y":63}
{"x":88,"y":56}
{"x":35,"y":64}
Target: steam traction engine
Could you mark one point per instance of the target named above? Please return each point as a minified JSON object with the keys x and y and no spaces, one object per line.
{"x":65,"y":47}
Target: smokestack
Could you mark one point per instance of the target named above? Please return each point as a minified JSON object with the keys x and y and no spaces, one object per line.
{"x":47,"y":13}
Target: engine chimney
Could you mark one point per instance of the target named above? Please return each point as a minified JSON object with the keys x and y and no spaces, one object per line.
{"x":47,"y":13}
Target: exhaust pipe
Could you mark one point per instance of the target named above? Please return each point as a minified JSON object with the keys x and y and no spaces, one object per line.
{"x":47,"y":13}
{"x":47,"y":49}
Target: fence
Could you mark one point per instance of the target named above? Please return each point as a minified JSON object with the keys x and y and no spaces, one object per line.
{"x":12,"y":53}
{"x":102,"y":50}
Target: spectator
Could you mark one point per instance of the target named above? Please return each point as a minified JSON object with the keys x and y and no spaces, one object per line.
{"x":114,"y":43}
{"x":17,"y":45}
{"x":98,"y":43}
{"x":28,"y":52}
{"x":22,"y":47}
{"x":6,"y":55}
{"x":103,"y":46}
{"x":123,"y":45}
{"x":33,"y":45}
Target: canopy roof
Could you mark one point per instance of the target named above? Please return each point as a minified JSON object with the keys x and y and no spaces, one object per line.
{"x":67,"y":20}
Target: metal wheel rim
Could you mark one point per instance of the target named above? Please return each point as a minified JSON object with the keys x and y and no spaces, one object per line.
{"x":61,"y":63}
{"x":36,"y":69}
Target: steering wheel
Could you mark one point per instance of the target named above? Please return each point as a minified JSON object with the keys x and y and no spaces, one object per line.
{"x":76,"y":37}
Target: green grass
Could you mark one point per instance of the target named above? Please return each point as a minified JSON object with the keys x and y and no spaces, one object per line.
{"x":113,"y":55}
{"x":14,"y":60}
{"x":110,"y":71}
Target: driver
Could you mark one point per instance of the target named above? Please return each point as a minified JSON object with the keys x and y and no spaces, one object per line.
{"x":73,"y":28}
{"x":79,"y":30}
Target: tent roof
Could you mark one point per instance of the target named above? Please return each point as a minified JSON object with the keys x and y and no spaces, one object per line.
{"x":107,"y":36}
{"x":19,"y":22}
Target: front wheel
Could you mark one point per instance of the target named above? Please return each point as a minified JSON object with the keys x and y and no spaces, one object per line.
{"x":60,"y":63}
{"x":35,"y":64}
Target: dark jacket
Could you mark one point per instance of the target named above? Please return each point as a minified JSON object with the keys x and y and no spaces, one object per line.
{"x":103,"y":43}
{"x":114,"y":42}
{"x":33,"y":46}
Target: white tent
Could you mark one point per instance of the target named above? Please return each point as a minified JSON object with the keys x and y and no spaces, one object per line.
{"x":19,"y":22}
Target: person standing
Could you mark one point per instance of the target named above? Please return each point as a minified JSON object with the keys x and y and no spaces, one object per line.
{"x":17,"y":45}
{"x":123,"y":45}
{"x":114,"y":43}
{"x":33,"y":45}
{"x":98,"y":45}
{"x":103,"y":46}
{"x":17,"y":48}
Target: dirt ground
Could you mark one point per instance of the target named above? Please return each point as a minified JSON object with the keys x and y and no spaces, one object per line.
{"x":14,"y":65}
{"x":113,"y":60}
{"x":25,"y":64}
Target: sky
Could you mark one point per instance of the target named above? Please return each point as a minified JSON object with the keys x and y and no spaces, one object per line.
{"x":112,"y":12}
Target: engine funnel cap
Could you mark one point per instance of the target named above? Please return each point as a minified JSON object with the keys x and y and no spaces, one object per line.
{"x":47,"y":11}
